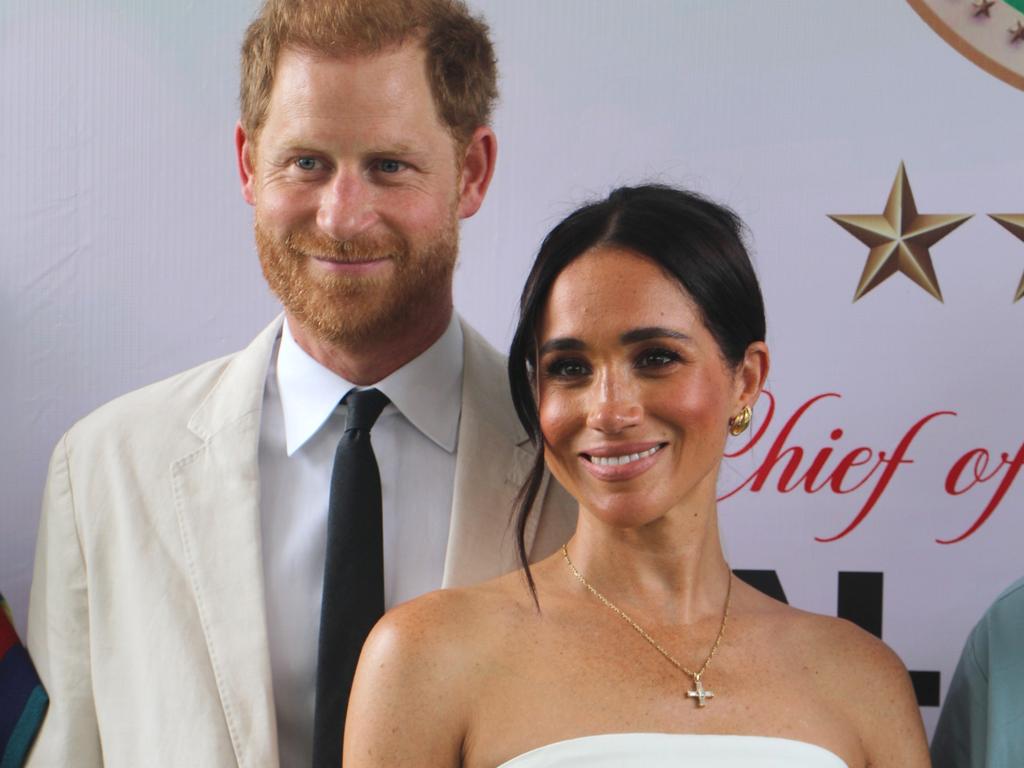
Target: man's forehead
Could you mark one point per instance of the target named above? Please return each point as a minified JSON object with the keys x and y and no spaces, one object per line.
{"x":409,"y":51}
{"x":388,"y":78}
{"x":380,"y":102}
{"x":348,"y":51}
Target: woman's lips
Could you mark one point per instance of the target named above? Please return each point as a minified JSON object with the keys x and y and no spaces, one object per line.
{"x":621,"y":462}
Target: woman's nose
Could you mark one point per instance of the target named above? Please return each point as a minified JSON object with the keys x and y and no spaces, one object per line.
{"x":615,"y":407}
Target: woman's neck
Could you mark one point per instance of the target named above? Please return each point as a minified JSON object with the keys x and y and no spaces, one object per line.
{"x":672,"y":568}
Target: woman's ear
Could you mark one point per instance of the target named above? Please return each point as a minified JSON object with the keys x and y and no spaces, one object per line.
{"x":751,"y":375}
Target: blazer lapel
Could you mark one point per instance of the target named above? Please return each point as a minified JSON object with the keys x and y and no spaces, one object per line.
{"x":216,"y":489}
{"x":493,"y":460}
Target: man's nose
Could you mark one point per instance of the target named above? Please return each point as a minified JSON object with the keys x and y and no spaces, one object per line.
{"x":347,"y":206}
{"x":615,"y":405}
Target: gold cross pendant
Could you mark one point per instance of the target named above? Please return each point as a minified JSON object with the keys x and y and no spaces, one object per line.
{"x":699,"y":693}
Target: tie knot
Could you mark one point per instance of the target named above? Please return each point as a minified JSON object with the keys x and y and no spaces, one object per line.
{"x":364,"y":406}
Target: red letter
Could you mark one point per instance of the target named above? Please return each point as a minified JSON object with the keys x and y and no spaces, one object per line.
{"x":776,"y":452}
{"x":980,"y":456}
{"x":892,"y":463}
{"x":852,"y":459}
{"x":1013,"y":467}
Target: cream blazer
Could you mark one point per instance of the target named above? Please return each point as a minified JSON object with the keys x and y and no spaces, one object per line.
{"x":147,"y":622}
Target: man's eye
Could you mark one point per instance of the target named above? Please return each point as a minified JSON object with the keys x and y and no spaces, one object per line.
{"x":306,"y":163}
{"x":389,"y":166}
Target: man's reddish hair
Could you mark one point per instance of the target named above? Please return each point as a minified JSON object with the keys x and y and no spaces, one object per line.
{"x":461,"y":65}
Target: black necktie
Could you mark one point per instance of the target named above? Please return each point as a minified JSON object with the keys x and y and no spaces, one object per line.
{"x":353,"y":597}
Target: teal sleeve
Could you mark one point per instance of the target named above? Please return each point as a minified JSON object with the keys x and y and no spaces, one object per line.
{"x":960,"y":735}
{"x":1005,"y":668}
{"x":982,"y":719}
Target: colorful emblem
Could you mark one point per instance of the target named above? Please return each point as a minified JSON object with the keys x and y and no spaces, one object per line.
{"x":988,"y":32}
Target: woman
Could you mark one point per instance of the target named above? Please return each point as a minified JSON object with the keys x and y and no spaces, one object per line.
{"x":639,"y":348}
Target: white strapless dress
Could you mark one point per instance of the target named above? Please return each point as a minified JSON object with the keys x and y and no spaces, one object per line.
{"x":673,"y":750}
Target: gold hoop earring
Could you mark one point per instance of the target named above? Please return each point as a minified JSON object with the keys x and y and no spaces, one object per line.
{"x":739,"y":423}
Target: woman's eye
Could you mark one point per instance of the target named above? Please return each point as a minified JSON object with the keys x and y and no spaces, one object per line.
{"x":306,"y":163}
{"x":567,"y":369}
{"x":656,"y":358}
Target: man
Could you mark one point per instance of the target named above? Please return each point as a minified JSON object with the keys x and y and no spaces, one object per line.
{"x":179,"y":575}
{"x":982,"y":720}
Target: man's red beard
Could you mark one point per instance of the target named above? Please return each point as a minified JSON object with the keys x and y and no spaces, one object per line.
{"x":352,"y":310}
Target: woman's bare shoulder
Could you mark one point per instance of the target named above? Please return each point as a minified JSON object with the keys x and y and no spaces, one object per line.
{"x":434,"y":648}
{"x":872,"y":686}
{"x":832,"y":647}
{"x":863,"y":678}
{"x":825,"y":640}
{"x":448,"y":624}
{"x":850,"y":654}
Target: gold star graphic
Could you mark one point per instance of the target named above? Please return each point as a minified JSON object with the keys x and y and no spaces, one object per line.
{"x":983,"y":8}
{"x":1017,"y":32}
{"x":899,"y":239}
{"x":1014,"y":222}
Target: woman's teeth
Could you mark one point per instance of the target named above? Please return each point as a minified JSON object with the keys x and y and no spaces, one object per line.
{"x":614,"y":461}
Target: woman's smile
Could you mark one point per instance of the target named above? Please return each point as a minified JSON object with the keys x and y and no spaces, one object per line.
{"x":621,"y":462}
{"x":634,"y":393}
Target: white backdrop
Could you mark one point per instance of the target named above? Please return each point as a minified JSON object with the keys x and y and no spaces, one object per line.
{"x":126,"y":251}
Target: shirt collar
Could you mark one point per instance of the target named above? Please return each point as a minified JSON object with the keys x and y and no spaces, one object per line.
{"x":427,"y":390}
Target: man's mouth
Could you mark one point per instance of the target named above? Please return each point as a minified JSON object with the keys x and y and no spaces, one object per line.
{"x":348,"y":259}
{"x":351,"y":267}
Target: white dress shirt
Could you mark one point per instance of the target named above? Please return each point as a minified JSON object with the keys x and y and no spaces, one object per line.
{"x":414,"y":441}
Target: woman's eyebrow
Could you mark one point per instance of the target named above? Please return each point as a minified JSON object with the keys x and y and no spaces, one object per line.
{"x":569,"y":343}
{"x":652,"y":332}
{"x":561,"y":344}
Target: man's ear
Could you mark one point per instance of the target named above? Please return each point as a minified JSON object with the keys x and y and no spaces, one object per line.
{"x":244,"y":154}
{"x":752,"y":374}
{"x":478,"y":161}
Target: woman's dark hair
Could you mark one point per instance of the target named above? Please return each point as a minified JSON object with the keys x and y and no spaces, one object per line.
{"x":694,"y":240}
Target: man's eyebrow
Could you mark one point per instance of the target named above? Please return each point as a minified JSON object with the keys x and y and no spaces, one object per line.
{"x":398,"y":148}
{"x":652,"y":332}
{"x":561,"y":344}
{"x":291,"y":145}
{"x":303,"y":144}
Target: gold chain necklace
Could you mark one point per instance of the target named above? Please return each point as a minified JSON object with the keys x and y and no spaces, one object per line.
{"x":699,"y":693}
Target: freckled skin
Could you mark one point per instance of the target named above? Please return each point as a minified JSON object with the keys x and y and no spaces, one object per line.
{"x":500,"y":678}
{"x":683,"y":403}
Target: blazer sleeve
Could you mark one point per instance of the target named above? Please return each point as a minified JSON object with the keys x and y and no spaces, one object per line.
{"x":58,"y":628}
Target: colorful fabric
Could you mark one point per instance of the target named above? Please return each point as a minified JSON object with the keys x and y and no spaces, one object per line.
{"x":23,"y":701}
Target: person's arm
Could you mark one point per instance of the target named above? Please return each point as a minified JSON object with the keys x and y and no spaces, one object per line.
{"x":410,"y":699}
{"x":885,"y":709}
{"x":58,"y":629}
